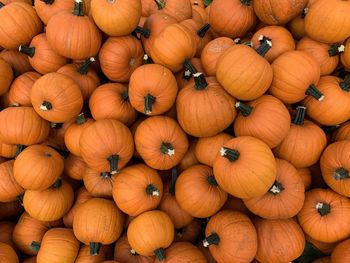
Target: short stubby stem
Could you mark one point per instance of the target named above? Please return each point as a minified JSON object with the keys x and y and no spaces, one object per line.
{"x":189,"y":66}
{"x":78,"y":8}
{"x":173,"y":179}
{"x":212,"y":181}
{"x":84,"y":68}
{"x":48,"y":2}
{"x":35,"y":246}
{"x":203,"y":30}
{"x":265,"y":45}
{"x":341,"y":174}
{"x":335,"y":50}
{"x":300,"y":116}
{"x":56,"y":125}
{"x":105,"y":175}
{"x":94,"y":248}
{"x":243,"y":108}
{"x":246,"y":2}
{"x":149,"y":101}
{"x":167,"y":148}
{"x":58,"y":183}
{"x":46,"y":106}
{"x":230,"y":154}
{"x":29,"y":51}
{"x":213,"y":239}
{"x":200,"y":82}
{"x":345,"y":85}
{"x":113,"y":163}
{"x":143,"y":31}
{"x":152,"y":190}
{"x":160,"y":4}
{"x":19,"y":149}
{"x":323,"y":208}
{"x":276,"y":188}
{"x":160,"y":254}
{"x":314,"y":92}
{"x":146,"y":60}
{"x":125,"y":95}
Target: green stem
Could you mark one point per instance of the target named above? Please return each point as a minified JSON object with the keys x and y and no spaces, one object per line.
{"x":203,"y":30}
{"x":35,"y":246}
{"x":335,"y":50}
{"x":94,"y":248}
{"x":230,"y":154}
{"x":246,"y":2}
{"x":149,"y":101}
{"x":160,"y":4}
{"x":328,"y":130}
{"x":78,"y":8}
{"x":125,"y":95}
{"x":341,"y":174}
{"x":152,"y":190}
{"x":276,"y":188}
{"x":105,"y":175}
{"x":212,"y":181}
{"x":19,"y":149}
{"x":58,"y":183}
{"x":84,"y":68}
{"x":20,"y":198}
{"x":160,"y":254}
{"x":113,"y":163}
{"x":200,"y":82}
{"x":56,"y":125}
{"x":314,"y":92}
{"x":143,"y":31}
{"x":323,"y":208}
{"x":265,"y":45}
{"x":243,"y":108}
{"x":189,"y":66}
{"x":45,"y":106}
{"x":29,"y":51}
{"x":2,"y":4}
{"x":48,"y":2}
{"x":213,"y":239}
{"x":80,"y":119}
{"x":345,"y":85}
{"x":173,"y":179}
{"x":300,"y":116}
{"x":167,"y":148}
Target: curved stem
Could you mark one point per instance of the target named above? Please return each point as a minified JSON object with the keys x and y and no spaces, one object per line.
{"x":45,"y":106}
{"x":345,"y":85}
{"x":84,"y":68}
{"x":78,"y":8}
{"x":167,"y":148}
{"x":29,"y":51}
{"x":323,"y":208}
{"x":341,"y":174}
{"x":243,"y":108}
{"x":152,"y":190}
{"x":94,"y":248}
{"x":212,"y":181}
{"x":35,"y":246}
{"x":230,"y":154}
{"x":58,"y":183}
{"x":160,"y":254}
{"x":299,"y":118}
{"x":173,"y":179}
{"x":19,"y":149}
{"x":203,"y":30}
{"x":143,"y":31}
{"x":265,"y":45}
{"x":246,"y":2}
{"x":113,"y":163}
{"x":125,"y":95}
{"x":335,"y":50}
{"x":213,"y":239}
{"x":314,"y":92}
{"x":149,"y":101}
{"x":276,"y":188}
{"x":48,"y":2}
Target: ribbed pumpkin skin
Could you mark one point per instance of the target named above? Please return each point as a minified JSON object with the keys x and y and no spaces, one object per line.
{"x":180,"y":9}
{"x":343,"y":133}
{"x":6,"y":230}
{"x":59,"y":245}
{"x":9,"y":188}
{"x":74,"y":167}
{"x":17,"y":60}
{"x":6,"y":76}
{"x":341,"y":252}
{"x":183,"y":252}
{"x":8,"y":254}
{"x":84,"y":254}
{"x":20,"y":18}
{"x":7,"y":150}
{"x":46,"y":11}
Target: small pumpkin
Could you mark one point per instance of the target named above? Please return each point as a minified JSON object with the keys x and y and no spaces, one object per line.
{"x":189,"y":233}
{"x":48,"y":8}
{"x":6,"y":76}
{"x":7,"y":150}
{"x":183,"y":252}
{"x":84,"y":255}
{"x":98,"y":184}
{"x":88,"y":230}
{"x":341,"y":252}
{"x":10,"y":189}
{"x":306,"y":177}
{"x":343,"y":132}
{"x":297,"y":25}
{"x":7,"y":253}
{"x":18,"y":61}
{"x":179,"y":9}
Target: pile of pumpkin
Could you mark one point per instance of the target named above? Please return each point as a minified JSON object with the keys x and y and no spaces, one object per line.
{"x":174,"y":131}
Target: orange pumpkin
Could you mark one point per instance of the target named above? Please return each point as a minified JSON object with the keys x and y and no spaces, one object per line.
{"x":322,"y":208}
{"x":8,"y":254}
{"x":182,"y":252}
{"x":6,"y":76}
{"x":56,"y":135}
{"x":297,"y":25}
{"x":6,"y":230}
{"x":343,"y":132}
{"x":265,"y":118}
{"x":9,"y":188}
{"x":325,"y":248}
{"x":306,"y":177}
{"x":84,"y":255}
{"x":112,"y":101}
{"x":48,"y":8}
{"x":7,"y":150}
{"x":98,"y":184}
{"x":161,"y":142}
{"x":120,"y":56}
{"x":18,"y":61}
{"x":345,"y":56}
{"x":341,"y":252}
{"x":88,"y":230}
{"x":100,"y":152}
{"x":245,"y":168}
{"x":285,"y":243}
{"x":179,"y":9}
{"x":231,"y":237}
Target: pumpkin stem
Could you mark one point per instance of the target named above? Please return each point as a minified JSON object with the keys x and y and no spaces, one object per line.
{"x":173,"y":179}
{"x":133,"y":252}
{"x":149,"y":101}
{"x":84,"y":68}
{"x":328,"y":130}
{"x":167,"y":148}
{"x":63,"y":153}
{"x":299,"y":118}
{"x":19,"y":149}
{"x":143,"y":31}
{"x":335,"y":49}
{"x":276,"y":188}
{"x":243,"y":108}
{"x":199,"y":81}
{"x":265,"y":45}
{"x":160,"y":254}
{"x":305,"y":10}
{"x":2,"y":4}
{"x":94,"y":248}
{"x":19,"y":198}
{"x":35,"y":246}
{"x":213,"y":239}
{"x":56,"y":125}
{"x":45,"y":106}
{"x":48,"y":2}
{"x":78,"y":8}
{"x":314,"y":92}
{"x":203,"y":30}
{"x":160,"y":4}
{"x":29,"y":51}
{"x":189,"y":66}
{"x":231,"y":154}
{"x":345,"y":85}
{"x":246,"y":2}
{"x":212,"y":181}
{"x":152,"y":190}
{"x":341,"y":174}
{"x":146,"y":59}
{"x":323,"y":208}
{"x":58,"y":183}
{"x":105,"y":175}
{"x":80,"y":119}
{"x":125,"y":95}
{"x":113,"y":163}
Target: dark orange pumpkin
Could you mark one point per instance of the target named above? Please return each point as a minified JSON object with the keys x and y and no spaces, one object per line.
{"x":189,"y":159}
{"x":323,"y":208}
{"x":236,"y":204}
{"x":56,"y":135}
{"x":120,"y":56}
{"x":98,"y":184}
{"x":6,"y":76}
{"x":7,"y":253}
{"x":297,"y":25}
{"x":343,"y":133}
{"x":265,"y":118}
{"x":161,"y":142}
{"x":245,"y":168}
{"x":285,"y":243}
{"x":231,"y":237}
{"x":183,"y":252}
{"x":9,"y":188}
{"x":179,"y":9}
{"x":74,"y":28}
{"x":8,"y":209}
{"x":199,"y":13}
{"x":341,"y":252}
{"x":88,"y":230}
{"x":18,"y":61}
{"x":208,"y":197}
{"x":7,"y":150}
{"x":48,"y":8}
{"x":100,"y":152}
{"x":56,"y":97}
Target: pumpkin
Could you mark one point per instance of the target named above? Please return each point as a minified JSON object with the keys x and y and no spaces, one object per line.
{"x":183,"y":252}
{"x":48,"y":8}
{"x":21,"y":88}
{"x":50,"y":204}
{"x":208,"y":197}
{"x":120,"y":56}
{"x":18,"y":61}
{"x":58,"y":245}
{"x":341,"y":252}
{"x":8,"y":254}
{"x":137,"y":188}
{"x":173,"y":46}
{"x":304,"y":142}
{"x":285,"y":243}
{"x":84,"y":255}
{"x":204,"y":108}
{"x":306,"y":74}
{"x":179,"y":9}
{"x":9,"y":209}
{"x":231,"y":18}
{"x":212,"y":51}
{"x":306,"y":177}
{"x":337,"y":24}
{"x":20,"y":24}
{"x":151,"y":233}
{"x":245,"y":168}
{"x":73,"y":133}
{"x":189,"y":159}
{"x":74,"y":28}
{"x":37,"y":167}
{"x":86,"y":77}
{"x":265,"y":118}
{"x":26,"y":126}
{"x":89,"y":218}
{"x":6,"y":76}
{"x":152,"y":89}
{"x":243,"y":72}
{"x":6,"y":230}
{"x":56,"y":97}
{"x":161,"y":142}
{"x":10,"y":189}
{"x":98,"y":184}
{"x":275,"y":12}
{"x":322,"y":208}
{"x":7,"y":150}
{"x":336,"y":92}
{"x":148,"y":7}
{"x":327,"y":56}
{"x":345,"y":56}
{"x":231,"y":237}
{"x":81,"y":196}
{"x":297,"y":25}
{"x":207,"y":148}
{"x":41,"y":56}
{"x":281,"y":38}
{"x":199,"y":13}
{"x":189,"y":233}
{"x":124,"y":253}
{"x":100,"y":152}
{"x":56,"y":135}
{"x":284,"y":199}
{"x":343,"y":132}
{"x":112,"y":101}
{"x":116,"y":18}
